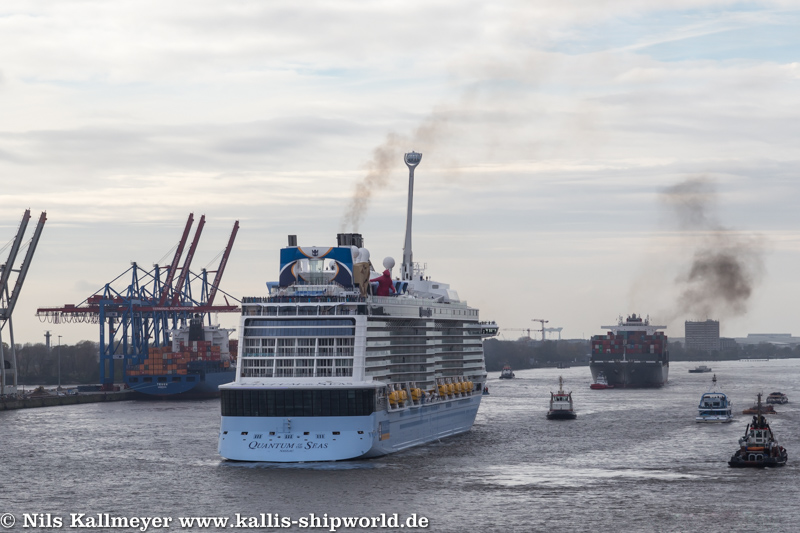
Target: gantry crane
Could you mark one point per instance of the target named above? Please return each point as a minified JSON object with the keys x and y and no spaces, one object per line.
{"x":543,"y":323}
{"x":557,"y":330}
{"x":8,"y":369}
{"x":140,"y":316}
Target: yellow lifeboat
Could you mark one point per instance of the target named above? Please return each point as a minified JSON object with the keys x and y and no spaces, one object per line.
{"x":403,"y":397}
{"x":443,"y":390}
{"x":416,"y":394}
{"x":394,"y":397}
{"x":451,"y":389}
{"x":470,"y":387}
{"x":459,"y":388}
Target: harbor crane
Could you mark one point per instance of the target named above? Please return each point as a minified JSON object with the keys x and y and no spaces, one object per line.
{"x":554,"y":330}
{"x":8,"y":300}
{"x":140,"y":315}
{"x":543,"y":323}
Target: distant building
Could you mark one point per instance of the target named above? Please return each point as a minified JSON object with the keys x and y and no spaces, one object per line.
{"x":702,"y":336}
{"x":779,"y":339}
{"x":726,"y":343}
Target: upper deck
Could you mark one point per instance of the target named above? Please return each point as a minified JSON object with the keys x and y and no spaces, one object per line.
{"x":635,"y":324}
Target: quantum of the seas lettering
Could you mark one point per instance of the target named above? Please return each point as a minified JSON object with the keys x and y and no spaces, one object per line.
{"x":287,"y":446}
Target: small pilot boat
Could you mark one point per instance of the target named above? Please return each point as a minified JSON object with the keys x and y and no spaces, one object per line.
{"x":561,"y":404}
{"x":777,"y":398}
{"x":601,"y":382}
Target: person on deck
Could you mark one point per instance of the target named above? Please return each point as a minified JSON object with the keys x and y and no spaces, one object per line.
{"x":385,"y":285}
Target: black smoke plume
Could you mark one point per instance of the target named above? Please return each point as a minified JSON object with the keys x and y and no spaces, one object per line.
{"x":726,"y":265}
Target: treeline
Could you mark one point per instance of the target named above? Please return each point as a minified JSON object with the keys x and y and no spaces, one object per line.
{"x":531,"y":354}
{"x":525,"y":353}
{"x":742,"y":351}
{"x":38,"y":365}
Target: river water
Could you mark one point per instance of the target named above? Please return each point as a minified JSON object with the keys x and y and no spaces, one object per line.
{"x":634,"y":460}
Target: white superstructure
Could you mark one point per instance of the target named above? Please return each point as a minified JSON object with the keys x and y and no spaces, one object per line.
{"x":328,"y":370}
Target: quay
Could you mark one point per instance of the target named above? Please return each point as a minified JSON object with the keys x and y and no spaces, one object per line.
{"x":8,"y":404}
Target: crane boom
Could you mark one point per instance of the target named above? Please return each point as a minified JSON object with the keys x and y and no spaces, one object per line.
{"x":174,"y":266}
{"x":23,"y":270}
{"x":188,"y":261}
{"x":222,"y":263}
{"x":543,"y":323}
{"x":12,"y":255}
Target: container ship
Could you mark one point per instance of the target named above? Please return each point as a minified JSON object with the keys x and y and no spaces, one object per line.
{"x":200,"y":359}
{"x":633,"y":354}
{"x":332,"y":367}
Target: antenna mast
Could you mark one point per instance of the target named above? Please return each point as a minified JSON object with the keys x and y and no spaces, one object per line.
{"x":412,"y":159}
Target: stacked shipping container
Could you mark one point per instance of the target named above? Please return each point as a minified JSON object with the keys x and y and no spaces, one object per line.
{"x":629,"y":343}
{"x":162,"y":360}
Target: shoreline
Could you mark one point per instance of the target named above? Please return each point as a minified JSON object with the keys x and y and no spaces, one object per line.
{"x":52,"y":401}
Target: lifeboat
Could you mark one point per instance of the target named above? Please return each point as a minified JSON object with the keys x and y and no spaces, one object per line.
{"x":416,"y":395}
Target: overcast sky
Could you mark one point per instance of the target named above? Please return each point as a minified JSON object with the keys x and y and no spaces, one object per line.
{"x":581,"y":160}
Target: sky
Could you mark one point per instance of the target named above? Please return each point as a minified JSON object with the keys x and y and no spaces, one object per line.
{"x":581,"y":160}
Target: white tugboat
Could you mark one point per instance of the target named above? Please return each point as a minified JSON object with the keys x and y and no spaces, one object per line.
{"x":561,"y":404}
{"x":506,"y":373}
{"x":714,"y":406}
{"x":758,"y":447}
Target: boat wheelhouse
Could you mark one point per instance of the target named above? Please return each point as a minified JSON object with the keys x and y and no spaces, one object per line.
{"x":331,"y":369}
{"x":714,"y":406}
{"x":507,"y":372}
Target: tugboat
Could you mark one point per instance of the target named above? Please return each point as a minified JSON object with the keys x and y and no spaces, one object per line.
{"x":601,"y":382}
{"x":758,"y":447}
{"x":699,"y":369}
{"x":506,"y":373}
{"x":561,"y":404}
{"x":777,"y":398}
{"x":714,"y":406}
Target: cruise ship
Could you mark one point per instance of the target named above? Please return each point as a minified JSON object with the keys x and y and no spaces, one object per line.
{"x":632,"y":354}
{"x":341,"y":362}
